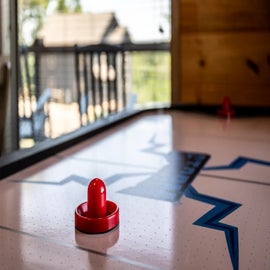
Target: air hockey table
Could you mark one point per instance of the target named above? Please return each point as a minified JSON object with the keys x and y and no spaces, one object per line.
{"x":193,"y":192}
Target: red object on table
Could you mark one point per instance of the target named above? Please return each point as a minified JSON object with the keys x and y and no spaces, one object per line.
{"x":97,"y":215}
{"x":225,"y":110}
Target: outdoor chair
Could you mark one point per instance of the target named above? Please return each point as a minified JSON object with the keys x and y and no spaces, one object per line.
{"x":34,"y":126}
{"x":31,"y":121}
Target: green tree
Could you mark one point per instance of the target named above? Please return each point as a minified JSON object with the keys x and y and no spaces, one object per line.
{"x":77,"y":7}
{"x":65,"y":6}
{"x":62,"y":6}
{"x":151,"y":77}
{"x":31,"y":14}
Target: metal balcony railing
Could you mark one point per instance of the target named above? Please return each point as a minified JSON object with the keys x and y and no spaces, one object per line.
{"x":64,"y":88}
{"x":100,"y":81}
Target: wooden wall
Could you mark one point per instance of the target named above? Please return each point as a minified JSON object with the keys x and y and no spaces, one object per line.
{"x":221,"y":48}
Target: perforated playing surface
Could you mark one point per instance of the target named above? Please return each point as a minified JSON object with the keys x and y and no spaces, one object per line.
{"x":193,"y":193}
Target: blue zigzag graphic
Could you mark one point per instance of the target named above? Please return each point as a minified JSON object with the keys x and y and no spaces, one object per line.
{"x":239,"y":163}
{"x":212,"y":220}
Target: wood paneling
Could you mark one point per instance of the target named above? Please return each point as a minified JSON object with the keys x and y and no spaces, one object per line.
{"x":225,"y":15}
{"x":226,"y":57}
{"x":223,"y":50}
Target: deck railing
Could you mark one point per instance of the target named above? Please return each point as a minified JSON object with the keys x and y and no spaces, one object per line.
{"x":82,"y":84}
{"x":100,"y":81}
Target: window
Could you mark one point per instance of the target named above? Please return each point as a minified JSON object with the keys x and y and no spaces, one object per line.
{"x":46,"y":86}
